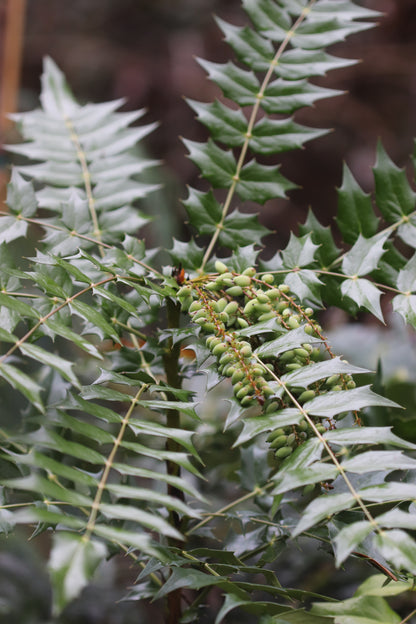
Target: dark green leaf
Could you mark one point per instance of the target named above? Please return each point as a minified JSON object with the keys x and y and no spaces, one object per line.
{"x":22,"y":382}
{"x":326,"y":250}
{"x":355,"y":211}
{"x":364,"y":294}
{"x":217,"y":165}
{"x":259,"y":183}
{"x":394,"y":195}
{"x":364,"y":256}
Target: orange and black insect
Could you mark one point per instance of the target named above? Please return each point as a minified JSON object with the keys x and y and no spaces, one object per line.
{"x":179,"y":274}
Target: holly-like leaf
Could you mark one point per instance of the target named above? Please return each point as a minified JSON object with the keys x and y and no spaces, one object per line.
{"x":216,"y":165}
{"x":299,"y":252}
{"x":73,"y":561}
{"x":259,"y":183}
{"x":226,"y":125}
{"x":327,"y":250}
{"x":394,"y":195}
{"x":364,"y":294}
{"x":204,"y":211}
{"x":333,"y":403}
{"x":241,"y":229}
{"x":306,"y":286}
{"x":355,"y":211}
{"x":364,"y":256}
{"x":237,"y":84}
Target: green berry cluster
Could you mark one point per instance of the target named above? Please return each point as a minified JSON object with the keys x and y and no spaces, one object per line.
{"x":226,"y":302}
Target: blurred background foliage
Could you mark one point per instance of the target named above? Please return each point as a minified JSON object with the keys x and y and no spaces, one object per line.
{"x":144,"y":51}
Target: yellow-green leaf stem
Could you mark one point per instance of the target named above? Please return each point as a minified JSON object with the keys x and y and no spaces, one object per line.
{"x":82,"y":157}
{"x":250,"y":126}
{"x":109,"y":464}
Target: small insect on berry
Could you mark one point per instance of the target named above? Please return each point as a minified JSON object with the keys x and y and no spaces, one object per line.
{"x":179,"y":274}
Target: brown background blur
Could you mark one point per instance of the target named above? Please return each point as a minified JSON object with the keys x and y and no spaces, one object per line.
{"x":143,"y":50}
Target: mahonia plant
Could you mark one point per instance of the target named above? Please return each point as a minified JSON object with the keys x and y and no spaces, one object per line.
{"x":102,"y":347}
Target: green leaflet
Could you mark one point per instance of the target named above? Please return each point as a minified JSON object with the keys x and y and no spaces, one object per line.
{"x":355,"y":211}
{"x":394,"y":195}
{"x":72,"y":564}
{"x":333,"y":403}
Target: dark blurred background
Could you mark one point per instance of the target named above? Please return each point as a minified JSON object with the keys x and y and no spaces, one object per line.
{"x":143,"y":51}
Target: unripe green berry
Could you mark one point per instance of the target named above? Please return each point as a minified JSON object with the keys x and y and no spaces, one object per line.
{"x":242,"y":391}
{"x":229,"y":370}
{"x":262,"y":297}
{"x":268,"y":278}
{"x":308,"y":329}
{"x":242,"y":280}
{"x":220,"y":304}
{"x":283,"y":452}
{"x":186,"y":303}
{"x":226,"y":281}
{"x":267,"y":316}
{"x":209,"y":327}
{"x":226,"y":276}
{"x":184,"y":291}
{"x":212,"y":341}
{"x":316,"y":354}
{"x":231,"y":308}
{"x":250,"y":271}
{"x":282,"y":305}
{"x":273,"y":407}
{"x":242,"y":322}
{"x":195,"y":306}
{"x":213,"y":286}
{"x":307,"y":347}
{"x":336,"y":388}
{"x":307,"y":395}
{"x":287,"y":356}
{"x":238,"y":387}
{"x":262,"y":308}
{"x":249,"y":308}
{"x":308,"y":311}
{"x":303,"y":425}
{"x":284,"y":288}
{"x":246,"y":401}
{"x":220,"y":348}
{"x":199,"y":314}
{"x":302,"y":353}
{"x":278,"y":442}
{"x":294,"y":366}
{"x":293,"y":322}
{"x":223,"y":317}
{"x":234,"y":291}
{"x":291,"y":439}
{"x":227,"y":357}
{"x":246,"y":351}
{"x":201,"y":320}
{"x":321,"y":428}
{"x":287,"y":312}
{"x":273,"y":293}
{"x":220,"y":267}
{"x":238,"y":375}
{"x":267,"y":391}
{"x":351,"y":384}
{"x":331,"y":381}
{"x":274,"y":434}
